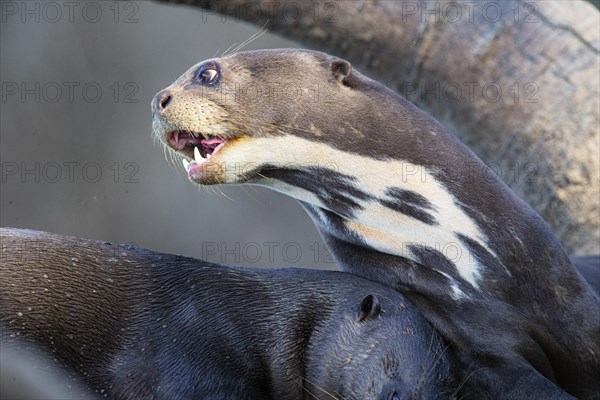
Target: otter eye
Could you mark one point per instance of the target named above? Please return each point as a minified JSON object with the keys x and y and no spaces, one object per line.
{"x":394,"y":396}
{"x":207,"y":74}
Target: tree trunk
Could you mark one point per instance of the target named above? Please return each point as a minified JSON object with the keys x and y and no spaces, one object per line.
{"x":516,"y":81}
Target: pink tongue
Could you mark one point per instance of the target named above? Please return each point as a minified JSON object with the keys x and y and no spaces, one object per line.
{"x":211,"y":142}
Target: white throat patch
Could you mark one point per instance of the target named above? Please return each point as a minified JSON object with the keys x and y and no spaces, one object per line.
{"x":381,"y":227}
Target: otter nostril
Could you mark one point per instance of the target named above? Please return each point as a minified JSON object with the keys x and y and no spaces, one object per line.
{"x":164,"y":101}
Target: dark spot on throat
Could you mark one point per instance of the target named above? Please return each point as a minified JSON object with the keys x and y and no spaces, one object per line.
{"x":409,"y":203}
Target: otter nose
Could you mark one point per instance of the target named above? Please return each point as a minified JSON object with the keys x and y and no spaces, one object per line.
{"x":163,"y":99}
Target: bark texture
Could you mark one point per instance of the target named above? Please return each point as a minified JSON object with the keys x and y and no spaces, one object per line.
{"x":517,"y":81}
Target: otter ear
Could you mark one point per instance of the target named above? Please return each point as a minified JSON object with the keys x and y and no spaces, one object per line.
{"x":340,"y":69}
{"x":369,"y":308}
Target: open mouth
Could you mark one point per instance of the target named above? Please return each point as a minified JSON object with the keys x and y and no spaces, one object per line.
{"x":195,"y":145}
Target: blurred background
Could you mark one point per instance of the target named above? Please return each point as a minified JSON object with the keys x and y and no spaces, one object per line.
{"x":77,"y":153}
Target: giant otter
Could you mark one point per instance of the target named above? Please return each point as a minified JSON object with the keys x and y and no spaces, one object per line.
{"x":399,"y":200}
{"x":135,"y":324}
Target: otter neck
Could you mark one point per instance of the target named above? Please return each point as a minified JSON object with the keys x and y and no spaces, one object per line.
{"x":409,"y":210}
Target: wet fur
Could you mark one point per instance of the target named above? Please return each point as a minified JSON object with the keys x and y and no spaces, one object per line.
{"x":135,"y":324}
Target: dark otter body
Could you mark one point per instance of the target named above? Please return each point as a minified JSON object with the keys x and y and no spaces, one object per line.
{"x":589,"y":268}
{"x":134,"y":324}
{"x":399,"y":200}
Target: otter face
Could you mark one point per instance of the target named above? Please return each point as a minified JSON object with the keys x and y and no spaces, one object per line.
{"x":382,"y":351}
{"x":244,"y":113}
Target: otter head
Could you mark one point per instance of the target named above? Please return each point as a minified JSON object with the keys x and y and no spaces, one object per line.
{"x":258,"y":111}
{"x":379,"y":351}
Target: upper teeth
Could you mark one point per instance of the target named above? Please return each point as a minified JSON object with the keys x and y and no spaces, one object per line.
{"x":176,"y":137}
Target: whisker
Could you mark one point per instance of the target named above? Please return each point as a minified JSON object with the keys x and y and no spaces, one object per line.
{"x":262,"y":176}
{"x":226,"y":52}
{"x":465,"y":379}
{"x":252,"y":38}
{"x":320,"y":388}
{"x":436,"y":362}
{"x":243,"y":186}
{"x":171,"y":158}
{"x":309,"y":392}
{"x":166,"y":157}
{"x":224,"y":195}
